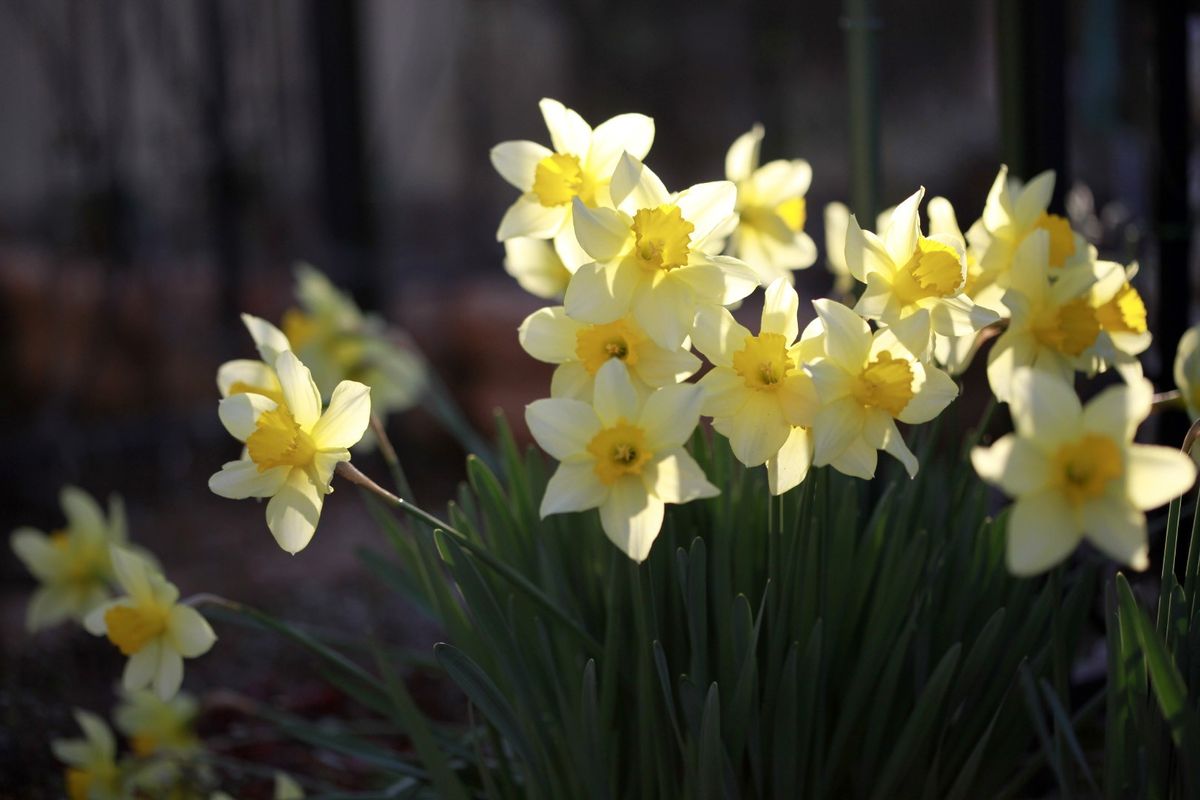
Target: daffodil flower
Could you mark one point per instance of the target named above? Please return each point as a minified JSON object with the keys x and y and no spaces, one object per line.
{"x":72,"y":564}
{"x":866,"y":382}
{"x":772,"y":210}
{"x":156,"y":726}
{"x":580,"y":349}
{"x":1075,"y":472}
{"x":579,"y":167}
{"x":92,"y":771}
{"x":915,"y":284}
{"x":1052,"y":323}
{"x":292,"y":448}
{"x":536,"y":267}
{"x":651,"y":255}
{"x":757,"y":391}
{"x":149,"y":626}
{"x":1121,"y":314}
{"x":621,"y":455}
{"x":1187,"y":370}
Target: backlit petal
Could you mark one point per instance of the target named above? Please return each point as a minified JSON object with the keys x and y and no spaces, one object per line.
{"x":238,"y":480}
{"x":562,"y":427}
{"x":299,"y":390}
{"x":293,"y":513}
{"x":1042,"y":531}
{"x":574,"y":486}
{"x":631,"y":517}
{"x":1157,"y":475}
{"x":346,"y":419}
{"x":517,"y":161}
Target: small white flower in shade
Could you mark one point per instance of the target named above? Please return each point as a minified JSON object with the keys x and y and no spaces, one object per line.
{"x":580,"y":349}
{"x":1075,"y":472}
{"x":579,"y":167}
{"x":1121,"y":314}
{"x":866,"y":382}
{"x":150,"y":627}
{"x":292,"y":448}
{"x":622,"y":455}
{"x":1187,"y":370}
{"x":536,"y":267}
{"x":71,"y":564}
{"x":914,"y":283}
{"x":1052,"y":324}
{"x":772,"y":210}
{"x":757,"y":390}
{"x":92,"y":771}
{"x":651,"y":255}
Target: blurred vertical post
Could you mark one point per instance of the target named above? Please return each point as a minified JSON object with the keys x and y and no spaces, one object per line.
{"x":862,"y":70}
{"x":223,"y":195}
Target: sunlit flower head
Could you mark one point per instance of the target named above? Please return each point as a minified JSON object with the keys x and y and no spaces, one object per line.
{"x":148,"y":625}
{"x":579,"y":167}
{"x":1052,"y":324}
{"x":757,"y":391}
{"x":292,"y":448}
{"x":92,"y":772}
{"x":1187,"y":370}
{"x":622,"y":455}
{"x":536,"y":267}
{"x":1075,"y":473}
{"x":651,"y":255}
{"x":580,"y":350}
{"x":156,"y":726}
{"x":866,"y":382}
{"x":772,"y":210}
{"x":914,"y":283}
{"x":72,"y":563}
{"x":1121,"y":314}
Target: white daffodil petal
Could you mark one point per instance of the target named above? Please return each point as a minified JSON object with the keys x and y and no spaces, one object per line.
{"x":673,"y":476}
{"x":847,"y":336}
{"x":572,"y":381}
{"x":614,"y":398}
{"x":82,"y":511}
{"x":835,"y":427}
{"x":239,"y":413}
{"x":346,"y":419}
{"x":1013,"y":464}
{"x":742,"y":158}
{"x":36,"y":552}
{"x":568,"y":132}
{"x":631,"y":517}
{"x":624,"y":133}
{"x":904,"y":228}
{"x":1033,"y":199}
{"x":601,"y":232}
{"x":707,"y":205}
{"x":1157,"y":475}
{"x":246,"y":375}
{"x":169,"y":675}
{"x":574,"y":486}
{"x":132,"y":572}
{"x":1119,"y":530}
{"x":1119,"y":410}
{"x":635,"y":186}
{"x":562,"y":427}
{"x":517,"y":161}
{"x":189,"y":632}
{"x":758,"y":430}
{"x":666,"y":312}
{"x":858,"y":460}
{"x":269,"y":340}
{"x":528,"y":218}
{"x":1042,"y":531}
{"x":293,"y":513}
{"x":548,"y":335}
{"x":670,"y":414}
{"x":141,"y":667}
{"x":1044,"y":407}
{"x":300,"y":391}
{"x":781,"y":304}
{"x":238,"y":480}
{"x":788,"y":468}
{"x":717,"y":335}
{"x":657,"y":366}
{"x":937,"y":392}
{"x":599,"y":294}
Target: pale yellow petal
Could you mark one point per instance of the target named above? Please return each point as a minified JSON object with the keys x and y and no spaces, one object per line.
{"x":1157,"y":475}
{"x":574,"y":486}
{"x":1042,"y":531}
{"x":631,"y":517}
{"x":293,"y":512}
{"x":562,"y":427}
{"x":346,"y":419}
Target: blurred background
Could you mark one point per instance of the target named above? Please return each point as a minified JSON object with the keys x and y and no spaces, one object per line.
{"x":164,"y":163}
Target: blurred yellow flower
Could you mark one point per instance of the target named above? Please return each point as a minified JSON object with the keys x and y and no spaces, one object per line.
{"x":536,"y":267}
{"x":157,"y":726}
{"x":1187,"y":370}
{"x":1052,"y":324}
{"x":770,"y":234}
{"x":292,"y":448}
{"x":72,"y":564}
{"x":1075,"y":472}
{"x":580,"y":349}
{"x":150,"y":627}
{"x":92,"y":772}
{"x":621,"y":454}
{"x":866,"y":382}
{"x":651,"y":255}
{"x":580,"y":166}
{"x":757,"y":390}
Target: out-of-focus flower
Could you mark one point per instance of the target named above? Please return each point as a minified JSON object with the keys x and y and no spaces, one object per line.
{"x":1075,"y":472}
{"x":72,"y":564}
{"x":286,"y":788}
{"x":579,"y":167}
{"x":622,"y":455}
{"x":1052,"y":324}
{"x":1122,"y":318}
{"x":536,"y":267}
{"x":757,"y":391}
{"x":914,"y":284}
{"x":579,"y":349}
{"x":292,"y":448}
{"x":651,"y":255}
{"x":156,"y":726}
{"x":150,"y":627}
{"x":92,"y":771}
{"x":865,"y":383}
{"x":772,"y":210}
{"x":1187,"y":370}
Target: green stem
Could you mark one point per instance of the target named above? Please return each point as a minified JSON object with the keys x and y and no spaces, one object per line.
{"x":393,"y":461}
{"x":1168,"y":566}
{"x":1061,"y":669}
{"x":519,"y":581}
{"x":862,"y":67}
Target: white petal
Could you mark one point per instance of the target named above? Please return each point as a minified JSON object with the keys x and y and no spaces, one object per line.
{"x":97,"y":733}
{"x":600,"y":294}
{"x":1044,"y":407}
{"x":1012,"y":351}
{"x":517,"y":162}
{"x":670,"y":414}
{"x":299,"y":390}
{"x":189,"y":632}
{"x":572,"y":381}
{"x":529,"y":218}
{"x":635,"y":186}
{"x":568,"y":132}
{"x":49,"y":606}
{"x":1033,"y":199}
{"x":562,"y":427}
{"x":624,"y":133}
{"x":788,"y":468}
{"x":614,"y":397}
{"x":1042,"y":531}
{"x":658,"y":366}
{"x":877,"y":300}
{"x":132,"y":573}
{"x":835,"y":427}
{"x":707,"y":206}
{"x":549,"y":335}
{"x":666,"y":311}
{"x":93,"y":621}
{"x":269,"y":340}
{"x":720,"y":280}
{"x":239,"y":413}
{"x":880,"y":431}
{"x":169,"y":676}
{"x":858,"y":460}
{"x":718,"y":335}
{"x":673,"y":476}
{"x":781,"y":180}
{"x":942,"y":220}
{"x":536,"y":267}
{"x":757,"y":431}
{"x":997,"y":209}
{"x":1157,"y":475}
{"x":631,"y":518}
{"x":601,"y":232}
{"x":904,"y":228}
{"x":781,"y":304}
{"x":1013,"y":464}
{"x":82,"y":511}
{"x":1119,"y":410}
{"x":39,"y":556}
{"x":937,"y":391}
{"x":247,"y":375}
{"x":238,"y":480}
{"x":725,"y":392}
{"x":141,"y":667}
{"x":574,"y":486}
{"x":742,"y":158}
{"x":847,"y":335}
{"x":293,"y":513}
{"x":346,"y":419}
{"x":914,"y":331}
{"x":1119,"y":530}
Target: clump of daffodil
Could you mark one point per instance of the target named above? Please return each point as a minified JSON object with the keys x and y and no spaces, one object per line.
{"x":621,"y":454}
{"x":579,"y":167}
{"x":150,"y":626}
{"x":914,"y":284}
{"x":1121,"y":314}
{"x":292,"y":448}
{"x":1052,"y":324}
{"x":338,"y":342}
{"x":92,"y":771}
{"x":772,"y":210}
{"x":580,"y":349}
{"x":536,"y":267}
{"x":1187,"y":370}
{"x":866,"y":382}
{"x":71,"y":563}
{"x":1075,"y":472}
{"x":156,"y":726}
{"x":757,"y":392}
{"x":652,"y":255}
